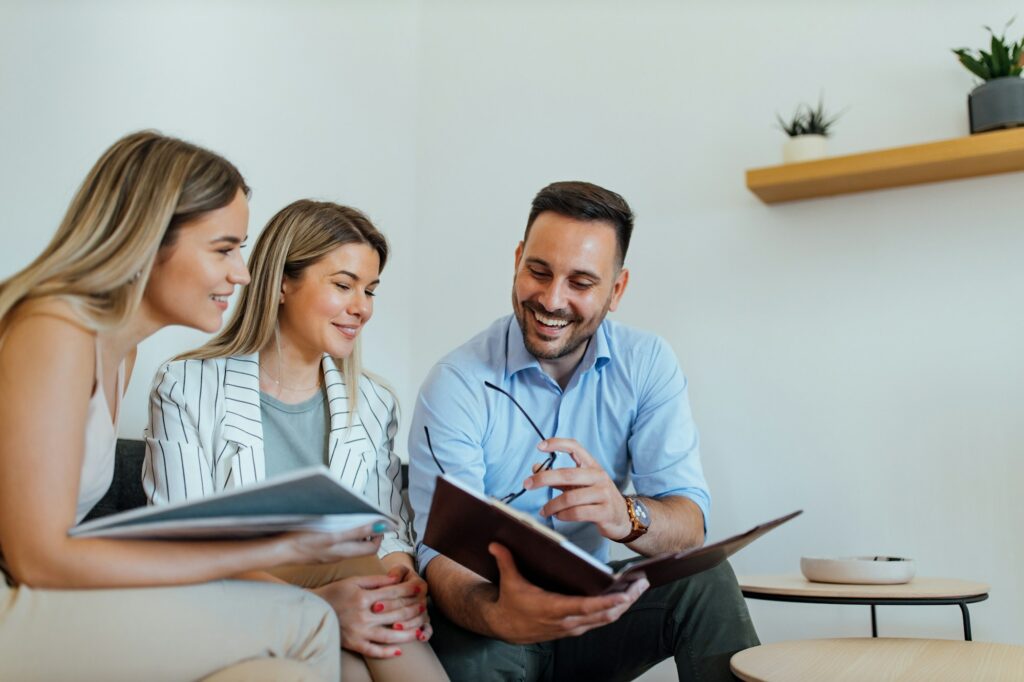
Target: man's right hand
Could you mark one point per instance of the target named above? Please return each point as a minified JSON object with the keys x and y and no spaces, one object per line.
{"x":524,"y":613}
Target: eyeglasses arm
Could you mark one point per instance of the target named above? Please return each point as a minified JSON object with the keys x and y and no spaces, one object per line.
{"x":431,"y":448}
{"x":516,"y":403}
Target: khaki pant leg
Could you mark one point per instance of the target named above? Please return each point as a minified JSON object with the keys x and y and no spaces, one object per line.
{"x":265,"y":670}
{"x":417,"y":661}
{"x":318,"y":575}
{"x":165,"y":633}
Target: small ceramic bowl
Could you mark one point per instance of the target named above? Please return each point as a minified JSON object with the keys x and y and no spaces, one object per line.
{"x":858,"y":570}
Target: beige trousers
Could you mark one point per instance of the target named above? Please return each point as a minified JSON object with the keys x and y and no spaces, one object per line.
{"x":417,"y":661}
{"x":224,"y":631}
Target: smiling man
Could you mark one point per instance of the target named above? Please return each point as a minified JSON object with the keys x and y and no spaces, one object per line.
{"x":612,"y":404}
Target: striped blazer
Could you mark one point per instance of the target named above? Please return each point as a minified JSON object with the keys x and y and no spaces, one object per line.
{"x":205,"y":435}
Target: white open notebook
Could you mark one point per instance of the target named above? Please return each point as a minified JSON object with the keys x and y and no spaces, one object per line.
{"x":306,"y":499}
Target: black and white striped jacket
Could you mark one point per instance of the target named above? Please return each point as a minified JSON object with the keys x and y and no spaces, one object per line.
{"x":205,"y":435}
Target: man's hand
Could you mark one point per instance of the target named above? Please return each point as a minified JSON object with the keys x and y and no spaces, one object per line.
{"x":524,"y":613}
{"x":588,"y":493}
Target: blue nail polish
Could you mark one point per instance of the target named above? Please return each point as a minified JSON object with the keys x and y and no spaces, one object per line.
{"x":380,"y":527}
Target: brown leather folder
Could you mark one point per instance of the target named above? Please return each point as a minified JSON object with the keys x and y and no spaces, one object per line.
{"x":463,"y":523}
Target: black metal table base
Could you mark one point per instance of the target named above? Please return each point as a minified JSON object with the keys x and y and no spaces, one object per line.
{"x":962,"y":602}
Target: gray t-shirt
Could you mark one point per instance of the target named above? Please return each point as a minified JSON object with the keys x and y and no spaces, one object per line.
{"x":294,"y":436}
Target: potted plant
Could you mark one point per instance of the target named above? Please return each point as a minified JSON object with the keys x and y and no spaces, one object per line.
{"x":999,"y":101}
{"x":808,"y":130}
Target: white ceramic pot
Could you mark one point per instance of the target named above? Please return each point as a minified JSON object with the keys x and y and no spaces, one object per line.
{"x":862,"y":570}
{"x":803,"y":148}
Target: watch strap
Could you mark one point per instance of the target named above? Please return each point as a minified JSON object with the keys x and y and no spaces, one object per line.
{"x":638,"y":528}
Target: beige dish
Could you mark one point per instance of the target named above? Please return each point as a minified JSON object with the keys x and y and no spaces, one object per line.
{"x":858,"y":570}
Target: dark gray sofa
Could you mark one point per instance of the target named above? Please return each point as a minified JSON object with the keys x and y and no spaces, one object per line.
{"x":126,"y":489}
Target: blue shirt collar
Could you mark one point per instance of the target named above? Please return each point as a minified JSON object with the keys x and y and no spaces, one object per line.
{"x":519,"y":358}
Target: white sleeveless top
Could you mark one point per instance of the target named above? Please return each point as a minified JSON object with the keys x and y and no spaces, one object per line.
{"x":100,"y":442}
{"x":97,"y":456}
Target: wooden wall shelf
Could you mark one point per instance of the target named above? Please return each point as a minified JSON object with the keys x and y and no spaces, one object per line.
{"x":963,"y":157}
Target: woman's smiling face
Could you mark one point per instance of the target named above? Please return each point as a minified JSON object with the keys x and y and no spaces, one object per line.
{"x":326,"y":307}
{"x":193,"y":277}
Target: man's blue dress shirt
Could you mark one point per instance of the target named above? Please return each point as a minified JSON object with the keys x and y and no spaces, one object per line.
{"x":626,"y":404}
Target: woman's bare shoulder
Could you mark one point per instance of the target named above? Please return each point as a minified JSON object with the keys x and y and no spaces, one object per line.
{"x":47,"y":326}
{"x":48,"y":308}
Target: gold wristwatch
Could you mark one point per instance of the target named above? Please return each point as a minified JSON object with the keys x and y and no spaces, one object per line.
{"x":638,"y":516}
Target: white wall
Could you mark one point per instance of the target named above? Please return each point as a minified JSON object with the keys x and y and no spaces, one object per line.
{"x":857,"y":357}
{"x":313,"y":99}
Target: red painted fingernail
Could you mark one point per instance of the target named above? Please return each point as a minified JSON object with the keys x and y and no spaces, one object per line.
{"x":398,"y":652}
{"x":422,"y":608}
{"x":416,"y":589}
{"x":377,"y":607}
{"x":398,"y":626}
{"x":420,"y":635}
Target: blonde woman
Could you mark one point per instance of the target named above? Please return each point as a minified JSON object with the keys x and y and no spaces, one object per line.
{"x":282,"y":388}
{"x":151,"y":239}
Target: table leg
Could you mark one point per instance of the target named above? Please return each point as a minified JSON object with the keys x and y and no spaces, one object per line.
{"x":874,"y":622}
{"x":967,"y":621}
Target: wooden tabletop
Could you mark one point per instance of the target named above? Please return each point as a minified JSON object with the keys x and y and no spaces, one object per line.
{"x":918,"y":588}
{"x":880,"y":660}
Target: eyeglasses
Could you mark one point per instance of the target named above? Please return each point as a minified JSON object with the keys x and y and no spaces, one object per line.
{"x":548,"y":463}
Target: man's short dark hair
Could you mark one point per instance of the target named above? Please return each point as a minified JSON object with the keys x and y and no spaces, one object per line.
{"x":586,"y":201}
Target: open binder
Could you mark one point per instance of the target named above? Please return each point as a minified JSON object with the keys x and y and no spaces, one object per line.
{"x":463,"y":523}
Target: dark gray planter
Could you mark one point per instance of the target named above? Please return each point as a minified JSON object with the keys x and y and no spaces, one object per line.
{"x":996,"y":104}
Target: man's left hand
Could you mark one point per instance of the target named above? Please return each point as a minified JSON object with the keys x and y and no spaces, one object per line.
{"x":588,"y":493}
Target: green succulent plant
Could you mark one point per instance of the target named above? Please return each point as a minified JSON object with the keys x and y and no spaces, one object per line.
{"x":807,"y":120}
{"x":1003,"y":59}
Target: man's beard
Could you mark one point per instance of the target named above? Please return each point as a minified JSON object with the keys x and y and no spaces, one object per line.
{"x":580,"y":335}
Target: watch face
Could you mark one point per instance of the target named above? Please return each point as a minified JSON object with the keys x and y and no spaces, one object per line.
{"x":641,"y":512}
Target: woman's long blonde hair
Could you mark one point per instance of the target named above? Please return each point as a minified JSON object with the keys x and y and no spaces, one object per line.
{"x":134,"y":200}
{"x":298,"y":236}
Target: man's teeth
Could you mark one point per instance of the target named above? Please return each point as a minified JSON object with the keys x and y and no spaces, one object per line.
{"x":550,"y":321}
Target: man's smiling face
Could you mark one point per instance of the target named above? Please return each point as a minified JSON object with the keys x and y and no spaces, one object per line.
{"x":567,"y":279}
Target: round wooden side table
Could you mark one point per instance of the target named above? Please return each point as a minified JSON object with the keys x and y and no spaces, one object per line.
{"x":918,"y":592}
{"x":880,"y":660}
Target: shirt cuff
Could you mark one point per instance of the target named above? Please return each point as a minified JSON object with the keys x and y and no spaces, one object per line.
{"x":424,"y":555}
{"x":698,"y":497}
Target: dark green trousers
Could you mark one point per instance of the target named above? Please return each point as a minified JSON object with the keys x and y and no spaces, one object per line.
{"x":701,"y":621}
